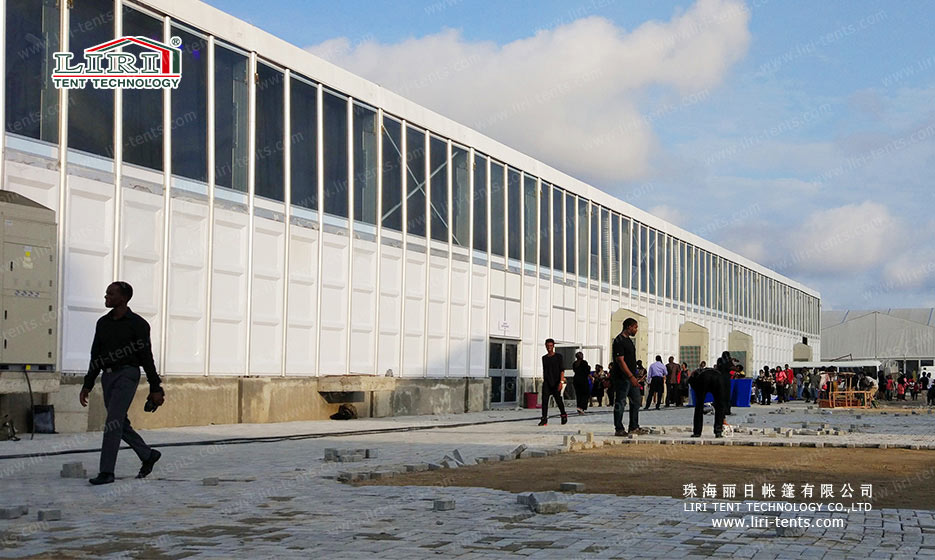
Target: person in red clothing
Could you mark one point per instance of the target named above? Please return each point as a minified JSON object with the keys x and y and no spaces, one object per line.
{"x":780,"y":385}
{"x":889,"y":388}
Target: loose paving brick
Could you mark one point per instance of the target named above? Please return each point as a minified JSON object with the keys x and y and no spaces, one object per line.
{"x":49,"y":515}
{"x":443,"y":505}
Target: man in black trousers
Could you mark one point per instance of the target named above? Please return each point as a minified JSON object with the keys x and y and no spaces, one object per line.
{"x":121,"y":346}
{"x":553,"y":377}
{"x":623,"y":376}
{"x":704,"y":381}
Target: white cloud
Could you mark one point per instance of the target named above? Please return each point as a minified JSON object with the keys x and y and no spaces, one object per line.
{"x":669,"y":214}
{"x":569,"y":95}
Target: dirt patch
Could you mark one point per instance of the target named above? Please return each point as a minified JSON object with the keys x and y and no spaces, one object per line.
{"x":901,"y":478}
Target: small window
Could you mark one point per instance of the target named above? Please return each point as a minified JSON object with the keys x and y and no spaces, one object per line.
{"x":415,"y":181}
{"x":190,"y":111}
{"x":480,"y":202}
{"x":460,"y":197}
{"x":438,"y":154}
{"x":142,"y":108}
{"x":32,"y":37}
{"x":530,"y":215}
{"x":303,"y":104}
{"x":392,"y":174}
{"x":545,"y":223}
{"x":230,"y":118}
{"x":514,"y":200}
{"x":270,"y":129}
{"x":91,"y":110}
{"x":334,"y":142}
{"x":365,"y":164}
{"x":497,"y":210}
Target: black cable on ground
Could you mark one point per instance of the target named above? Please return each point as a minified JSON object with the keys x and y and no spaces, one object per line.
{"x":294,"y":437}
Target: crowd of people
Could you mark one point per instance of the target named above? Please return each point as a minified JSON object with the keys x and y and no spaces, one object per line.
{"x":627,"y":382}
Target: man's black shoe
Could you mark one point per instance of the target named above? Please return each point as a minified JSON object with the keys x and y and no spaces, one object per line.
{"x":620,"y":433}
{"x":696,"y":435}
{"x":564,"y":419}
{"x":718,"y":435}
{"x":102,"y":478}
{"x":147,"y":467}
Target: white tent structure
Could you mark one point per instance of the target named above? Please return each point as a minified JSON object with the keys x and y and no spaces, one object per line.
{"x":903,"y":339}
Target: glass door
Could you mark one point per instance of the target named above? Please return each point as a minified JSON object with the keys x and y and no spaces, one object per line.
{"x":503,"y":371}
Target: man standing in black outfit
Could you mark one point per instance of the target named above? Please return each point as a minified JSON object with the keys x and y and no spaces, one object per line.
{"x":704,"y":381}
{"x":623,"y":376}
{"x":725,"y":365}
{"x":121,"y":346}
{"x":581,"y":381}
{"x":553,"y":377}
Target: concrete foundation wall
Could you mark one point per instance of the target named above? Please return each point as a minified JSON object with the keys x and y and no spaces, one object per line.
{"x":199,"y":401}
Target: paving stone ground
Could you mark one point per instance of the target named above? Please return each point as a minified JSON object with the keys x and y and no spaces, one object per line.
{"x":279,"y":498}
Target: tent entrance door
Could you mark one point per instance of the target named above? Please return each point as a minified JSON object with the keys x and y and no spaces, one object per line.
{"x":503,"y":371}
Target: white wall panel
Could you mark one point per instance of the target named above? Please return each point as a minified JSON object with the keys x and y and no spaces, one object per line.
{"x":34,"y":182}
{"x":228,"y":293}
{"x":88,"y":263}
{"x":268,"y":271}
{"x":459,"y":343}
{"x":581,"y":316}
{"x":437,"y":331}
{"x":391,"y":302}
{"x":478,"y":338}
{"x":544,"y":306}
{"x":334,"y":294}
{"x":188,"y":277}
{"x":302,"y":314}
{"x":594,"y":318}
{"x":529,"y":326}
{"x":363,"y":308}
{"x":414,"y":316}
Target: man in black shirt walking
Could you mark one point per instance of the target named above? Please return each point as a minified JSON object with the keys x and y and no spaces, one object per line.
{"x":553,"y":377}
{"x":121,"y":346}
{"x":623,"y":376}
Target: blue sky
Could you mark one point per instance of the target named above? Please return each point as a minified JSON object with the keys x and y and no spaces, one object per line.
{"x":799,"y":134}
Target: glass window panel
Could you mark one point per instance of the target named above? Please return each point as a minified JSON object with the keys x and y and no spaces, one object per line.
{"x":605,"y":245}
{"x":190,"y":112}
{"x":334,"y":144}
{"x":625,"y":251}
{"x":583,"y":244}
{"x":365,"y":164}
{"x":497,"y":209}
{"x":230,"y":118}
{"x":143,"y":108}
{"x":460,"y":197}
{"x":595,"y":242}
{"x":415,"y":181}
{"x":666,"y":267}
{"x":644,"y":262}
{"x":530,"y":224}
{"x":438,"y":153}
{"x":635,"y":259}
{"x":91,"y":110}
{"x":570,"y":221}
{"x":496,"y":355}
{"x":270,"y":127}
{"x":558,"y":229}
{"x":615,"y":250}
{"x":32,"y":37}
{"x":509,"y":356}
{"x":651,"y":263}
{"x":392,"y":174}
{"x":690,"y":275}
{"x":480,"y":202}
{"x":545,"y":223}
{"x":514,"y":199}
{"x":303,"y":124}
